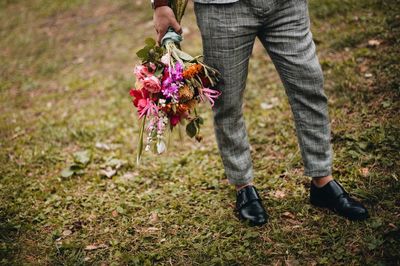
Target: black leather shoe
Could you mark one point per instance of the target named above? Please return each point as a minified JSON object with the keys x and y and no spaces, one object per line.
{"x":249,"y":206}
{"x":334,"y":197}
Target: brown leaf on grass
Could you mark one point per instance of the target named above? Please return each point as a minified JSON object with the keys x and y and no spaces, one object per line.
{"x":152,"y":229}
{"x":393,"y":226}
{"x":288,"y":215}
{"x":295,"y":223}
{"x":364,"y":171}
{"x":368,"y":75}
{"x":94,"y":246}
{"x":109,"y":172}
{"x":153,"y":217}
{"x":91,"y":247}
{"x":279,"y":194}
{"x":66,"y":232}
{"x":374,"y":43}
{"x":363,"y":68}
{"x":114,"y":213}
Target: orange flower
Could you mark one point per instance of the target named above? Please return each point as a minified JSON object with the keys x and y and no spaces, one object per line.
{"x":191,"y":71}
{"x":185,"y":93}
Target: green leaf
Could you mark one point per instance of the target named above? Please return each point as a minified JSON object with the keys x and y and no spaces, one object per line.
{"x":386,"y":104}
{"x":158,"y":71}
{"x":150,"y":42}
{"x":82,"y":157}
{"x":67,"y":172}
{"x":199,"y":120}
{"x":143,"y":53}
{"x":192,"y":129}
{"x":120,"y":210}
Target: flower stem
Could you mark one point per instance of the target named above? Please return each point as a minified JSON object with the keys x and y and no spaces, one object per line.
{"x":140,"y":145}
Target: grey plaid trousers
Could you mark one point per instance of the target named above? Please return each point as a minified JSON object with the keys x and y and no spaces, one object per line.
{"x":228,"y":33}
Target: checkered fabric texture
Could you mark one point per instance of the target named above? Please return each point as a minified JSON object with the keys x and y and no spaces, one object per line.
{"x":228,"y":32}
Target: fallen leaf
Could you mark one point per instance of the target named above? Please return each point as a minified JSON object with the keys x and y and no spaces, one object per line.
{"x":293,"y":222}
{"x":393,"y":226}
{"x":288,"y":215}
{"x":82,"y":157}
{"x":79,"y":60}
{"x":374,"y":43}
{"x":153,"y":217}
{"x":279,"y":194}
{"x":102,"y":146}
{"x":364,"y":171}
{"x":121,"y":210}
{"x":115,"y":163}
{"x":91,"y":247}
{"x":109,"y":172}
{"x":129,"y":176}
{"x":368,"y":75}
{"x":66,"y":232}
{"x":266,"y":106}
{"x":269,"y":105}
{"x":363,"y":68}
{"x":152,"y":229}
{"x":114,"y":213}
{"x":67,"y":172}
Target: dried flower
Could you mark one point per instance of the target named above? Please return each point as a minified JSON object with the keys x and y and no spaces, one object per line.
{"x":192,"y":70}
{"x":185,"y":93}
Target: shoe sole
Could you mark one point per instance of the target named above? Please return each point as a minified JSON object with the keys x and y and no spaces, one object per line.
{"x":323,"y":206}
{"x":250,"y":223}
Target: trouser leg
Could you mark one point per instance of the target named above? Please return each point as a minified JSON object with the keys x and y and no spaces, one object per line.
{"x":228,"y":33}
{"x":286,"y":36}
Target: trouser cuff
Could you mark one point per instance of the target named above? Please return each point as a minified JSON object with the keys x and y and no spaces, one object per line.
{"x":318,"y":173}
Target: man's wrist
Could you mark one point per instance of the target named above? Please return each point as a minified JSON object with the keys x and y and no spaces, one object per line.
{"x":159,"y":3}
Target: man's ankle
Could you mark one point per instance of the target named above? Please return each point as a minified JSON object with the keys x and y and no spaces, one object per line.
{"x":239,"y":187}
{"x":322,"y":181}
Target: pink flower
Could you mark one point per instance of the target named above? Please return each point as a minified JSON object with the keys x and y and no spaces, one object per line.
{"x":152,"y":84}
{"x":144,"y":104}
{"x":210,"y":95}
{"x":143,"y":71}
{"x":166,"y":59}
{"x":147,"y":107}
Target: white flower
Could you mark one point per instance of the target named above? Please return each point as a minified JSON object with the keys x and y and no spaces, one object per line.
{"x":160,"y":146}
{"x":166,"y":59}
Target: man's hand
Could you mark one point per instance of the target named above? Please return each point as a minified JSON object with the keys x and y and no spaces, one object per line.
{"x":163,"y":18}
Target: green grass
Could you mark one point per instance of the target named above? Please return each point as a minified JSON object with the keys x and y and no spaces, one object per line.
{"x":64,"y":79}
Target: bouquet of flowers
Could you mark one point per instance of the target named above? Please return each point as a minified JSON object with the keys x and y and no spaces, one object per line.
{"x":169,"y":85}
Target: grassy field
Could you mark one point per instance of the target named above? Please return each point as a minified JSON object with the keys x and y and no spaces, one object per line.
{"x":66,"y":69}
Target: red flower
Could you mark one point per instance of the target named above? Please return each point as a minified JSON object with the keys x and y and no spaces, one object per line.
{"x":165,"y":74}
{"x":174,"y":119}
{"x":143,"y":102}
{"x":138,"y":95}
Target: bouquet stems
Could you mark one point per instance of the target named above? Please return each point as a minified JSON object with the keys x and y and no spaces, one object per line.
{"x":140,"y":144}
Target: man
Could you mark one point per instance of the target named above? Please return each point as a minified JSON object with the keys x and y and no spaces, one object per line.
{"x":229,"y":29}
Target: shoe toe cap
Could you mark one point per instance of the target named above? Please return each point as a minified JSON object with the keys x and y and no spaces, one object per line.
{"x":356,"y":213}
